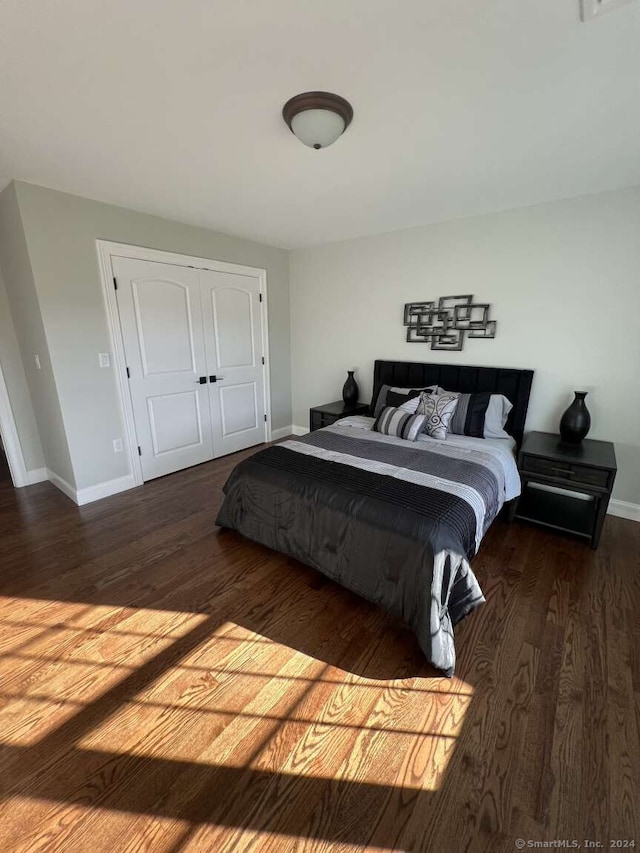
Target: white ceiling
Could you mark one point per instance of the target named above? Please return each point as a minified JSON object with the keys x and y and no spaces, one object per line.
{"x":461,"y":107}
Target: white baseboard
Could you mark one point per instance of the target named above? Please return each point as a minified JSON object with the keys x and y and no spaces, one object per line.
{"x":298,"y":430}
{"x":61,"y":484}
{"x":624,"y":509}
{"x":37,"y":475}
{"x":283,"y":432}
{"x":92,"y":493}
{"x":104,"y":490}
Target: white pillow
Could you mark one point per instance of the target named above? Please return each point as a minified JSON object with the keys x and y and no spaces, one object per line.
{"x":411,"y":405}
{"x":496,"y":416}
{"x":381,"y":401}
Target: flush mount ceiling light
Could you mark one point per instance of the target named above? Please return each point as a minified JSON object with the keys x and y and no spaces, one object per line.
{"x":317,"y":118}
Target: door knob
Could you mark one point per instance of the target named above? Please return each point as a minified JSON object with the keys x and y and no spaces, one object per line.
{"x":215,"y":378}
{"x":201,"y":381}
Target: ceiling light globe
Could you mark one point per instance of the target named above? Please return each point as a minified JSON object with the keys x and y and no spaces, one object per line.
{"x":317,"y":128}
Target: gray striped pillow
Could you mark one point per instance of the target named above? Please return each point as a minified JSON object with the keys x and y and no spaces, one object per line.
{"x":400,"y":424}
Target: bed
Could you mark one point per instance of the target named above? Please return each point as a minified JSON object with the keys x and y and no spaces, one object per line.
{"x":396,"y":522}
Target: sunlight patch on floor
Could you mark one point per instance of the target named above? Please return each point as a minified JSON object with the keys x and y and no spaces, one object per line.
{"x":81,"y":827}
{"x":25,"y":721}
{"x":228,"y":697}
{"x":188,"y":702}
{"x":50,"y":668}
{"x":212,"y":838}
{"x":302,"y":717}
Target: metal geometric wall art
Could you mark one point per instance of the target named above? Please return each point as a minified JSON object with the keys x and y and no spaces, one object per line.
{"x":445,"y":324}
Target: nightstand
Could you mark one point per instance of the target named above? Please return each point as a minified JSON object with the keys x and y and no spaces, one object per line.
{"x":322,"y":416}
{"x":575,"y":472}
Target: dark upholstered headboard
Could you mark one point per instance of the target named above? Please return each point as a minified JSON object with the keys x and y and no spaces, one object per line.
{"x":513,"y":383}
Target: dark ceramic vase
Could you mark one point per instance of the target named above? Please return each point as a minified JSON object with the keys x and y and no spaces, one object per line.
{"x":576,"y":421}
{"x":350,"y":389}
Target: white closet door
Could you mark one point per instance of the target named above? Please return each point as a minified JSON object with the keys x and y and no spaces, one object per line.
{"x":233,"y":341}
{"x":161,"y":321}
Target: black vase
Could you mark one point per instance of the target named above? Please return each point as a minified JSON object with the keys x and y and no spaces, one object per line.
{"x":576,"y":421}
{"x":350,"y":389}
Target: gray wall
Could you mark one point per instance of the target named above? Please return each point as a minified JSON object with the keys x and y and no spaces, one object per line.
{"x":30,"y":333}
{"x":564,"y":283}
{"x":17,"y":387}
{"x":60,"y":232}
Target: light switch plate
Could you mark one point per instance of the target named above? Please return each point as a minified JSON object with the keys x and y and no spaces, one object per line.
{"x":38,"y":365}
{"x":118,"y":446}
{"x":103,"y":359}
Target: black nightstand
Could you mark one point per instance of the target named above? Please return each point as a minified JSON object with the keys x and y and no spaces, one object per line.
{"x":322,"y":416}
{"x":588,"y":468}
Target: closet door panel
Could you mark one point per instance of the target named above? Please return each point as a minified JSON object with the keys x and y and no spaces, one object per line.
{"x":231,"y":311}
{"x":233,"y":328}
{"x":161,"y":322}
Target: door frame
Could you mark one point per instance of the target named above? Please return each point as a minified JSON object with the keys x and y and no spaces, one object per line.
{"x":11,"y":439}
{"x":107,"y":250}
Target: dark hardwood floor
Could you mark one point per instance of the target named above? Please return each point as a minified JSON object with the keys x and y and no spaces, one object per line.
{"x":166,"y":686}
{"x":5,"y":474}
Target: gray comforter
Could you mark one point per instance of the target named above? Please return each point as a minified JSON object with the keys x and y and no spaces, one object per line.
{"x":394,"y":521}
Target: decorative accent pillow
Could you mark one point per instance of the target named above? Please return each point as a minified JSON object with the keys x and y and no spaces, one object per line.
{"x":383,"y":400}
{"x":439,"y":409}
{"x":400,"y":424}
{"x":481,"y":414}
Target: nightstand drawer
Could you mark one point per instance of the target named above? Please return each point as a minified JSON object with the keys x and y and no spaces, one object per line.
{"x":545,"y":467}
{"x":589,"y":476}
{"x":567,"y":471}
{"x":318,"y":421}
